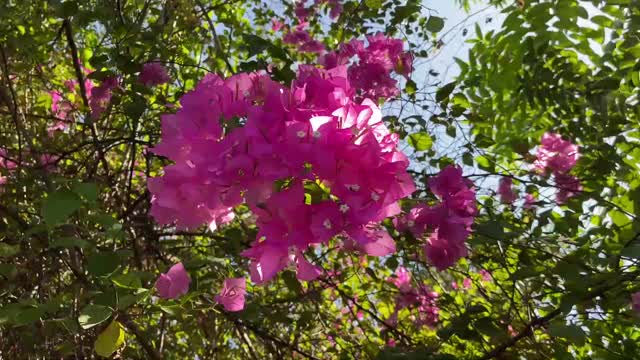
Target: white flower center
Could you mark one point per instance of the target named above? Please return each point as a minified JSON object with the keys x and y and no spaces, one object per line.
{"x":375,"y":196}
{"x":411,"y":222}
{"x":327,"y":224}
{"x":316,"y":134}
{"x":353,"y":187}
{"x":344,"y":208}
{"x":301,"y":134}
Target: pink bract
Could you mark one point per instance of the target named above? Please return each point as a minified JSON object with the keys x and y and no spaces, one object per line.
{"x":232,"y":295}
{"x":505,"y":190}
{"x":556,"y":154}
{"x":174,"y":283}
{"x":314,"y":135}
{"x":153,"y":74}
{"x":635,"y":301}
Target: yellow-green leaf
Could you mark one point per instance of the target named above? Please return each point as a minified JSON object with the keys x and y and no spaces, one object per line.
{"x":109,"y":340}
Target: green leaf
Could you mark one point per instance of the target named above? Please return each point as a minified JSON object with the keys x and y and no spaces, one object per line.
{"x":410,"y":87}
{"x":88,"y":191}
{"x":632,"y":251}
{"x":404,"y":11}
{"x":58,"y":206}
{"x":487,"y":326}
{"x":420,"y":141}
{"x":7,"y":250}
{"x":69,"y":242}
{"x":109,"y":340}
{"x":128,"y":281}
{"x":292,"y":282}
{"x":572,"y":333}
{"x":136,"y":108}
{"x":373,"y":4}
{"x":445,"y":91}
{"x":28,"y":315}
{"x":102,"y":264}
{"x":435,"y":24}
{"x":7,"y":270}
{"x":93,"y":315}
{"x":69,"y":8}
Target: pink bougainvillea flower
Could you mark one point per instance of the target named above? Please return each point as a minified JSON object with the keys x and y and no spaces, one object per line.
{"x":422,"y":300}
{"x":486,"y":276}
{"x":556,"y":154}
{"x":402,"y":279}
{"x":391,"y":343}
{"x":529,"y":201}
{"x":232,"y":295}
{"x":506,"y":191}
{"x":316,"y":136}
{"x":101,"y":97}
{"x":404,"y":66}
{"x":6,"y":161}
{"x":301,"y":12}
{"x":466,"y":283}
{"x":276,"y":24}
{"x":49,"y":161}
{"x":449,"y":221}
{"x":568,"y":186}
{"x":174,"y":283}
{"x":312,"y":46}
{"x":153,"y":73}
{"x":635,"y":301}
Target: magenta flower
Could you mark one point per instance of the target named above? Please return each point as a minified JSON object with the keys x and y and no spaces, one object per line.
{"x":232,"y":294}
{"x":505,"y":190}
{"x":276,"y":24}
{"x":529,"y":201}
{"x":101,"y":97}
{"x":404,"y":66}
{"x":635,"y":301}
{"x":152,"y":74}
{"x":391,"y":343}
{"x":402,"y":279}
{"x":49,"y":161}
{"x":466,"y":283}
{"x":486,"y":276}
{"x":174,"y":283}
{"x":301,"y":12}
{"x":312,"y":46}
{"x":6,"y":162}
{"x":556,"y":154}
{"x":568,"y":186}
{"x":315,"y":133}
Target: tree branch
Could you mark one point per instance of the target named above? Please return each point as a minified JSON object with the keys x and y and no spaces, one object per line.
{"x":140,"y":336}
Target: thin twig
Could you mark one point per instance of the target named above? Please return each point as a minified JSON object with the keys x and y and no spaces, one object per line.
{"x":216,"y":39}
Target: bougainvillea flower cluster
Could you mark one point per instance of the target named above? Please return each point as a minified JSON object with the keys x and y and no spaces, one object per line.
{"x":301,"y":37}
{"x":99,"y":98}
{"x":506,"y":191}
{"x":371,"y":74}
{"x":152,"y":74}
{"x":449,"y":221}
{"x":421,"y":299}
{"x":310,"y":161}
{"x":62,"y":107}
{"x":559,"y":156}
